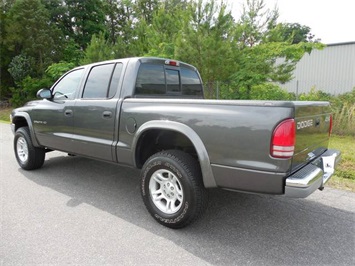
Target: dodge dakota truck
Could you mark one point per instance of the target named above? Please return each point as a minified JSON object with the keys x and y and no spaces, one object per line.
{"x":149,"y":113}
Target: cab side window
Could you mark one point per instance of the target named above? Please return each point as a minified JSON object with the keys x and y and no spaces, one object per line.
{"x":65,"y":89}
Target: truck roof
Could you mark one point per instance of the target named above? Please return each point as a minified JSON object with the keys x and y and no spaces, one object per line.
{"x":142,"y":59}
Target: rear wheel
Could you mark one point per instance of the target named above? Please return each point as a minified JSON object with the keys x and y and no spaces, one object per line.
{"x":172,"y":188}
{"x":28,"y":156}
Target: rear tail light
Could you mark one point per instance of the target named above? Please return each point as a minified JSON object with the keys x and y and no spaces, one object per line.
{"x":283,"y":140}
{"x":330,"y":124}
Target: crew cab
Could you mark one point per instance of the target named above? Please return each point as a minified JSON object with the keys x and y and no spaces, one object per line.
{"x":149,"y":113}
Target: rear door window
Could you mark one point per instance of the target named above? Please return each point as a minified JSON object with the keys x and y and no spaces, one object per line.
{"x":116,"y":76}
{"x":97,"y":83}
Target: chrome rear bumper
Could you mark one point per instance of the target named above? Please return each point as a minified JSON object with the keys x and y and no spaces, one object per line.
{"x":313,"y":176}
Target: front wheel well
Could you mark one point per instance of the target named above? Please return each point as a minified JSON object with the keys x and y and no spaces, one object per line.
{"x":19,"y":122}
{"x":157,"y":140}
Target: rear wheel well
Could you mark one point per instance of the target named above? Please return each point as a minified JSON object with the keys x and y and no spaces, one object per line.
{"x":156,"y":140}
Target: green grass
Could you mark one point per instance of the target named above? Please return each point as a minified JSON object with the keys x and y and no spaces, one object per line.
{"x":5,"y":115}
{"x":344,"y":177}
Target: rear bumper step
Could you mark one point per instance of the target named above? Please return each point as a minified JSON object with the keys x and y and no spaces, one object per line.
{"x":313,"y":176}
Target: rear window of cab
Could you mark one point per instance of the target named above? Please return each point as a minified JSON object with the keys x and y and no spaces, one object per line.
{"x":163,"y":80}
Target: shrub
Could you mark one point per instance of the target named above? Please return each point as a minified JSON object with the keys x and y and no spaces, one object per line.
{"x":265,"y":91}
{"x":315,"y":95}
{"x":269,"y":91}
{"x":28,"y":89}
{"x":343,"y":107}
{"x":55,"y":71}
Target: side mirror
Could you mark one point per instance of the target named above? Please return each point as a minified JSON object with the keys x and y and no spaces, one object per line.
{"x":44,"y":94}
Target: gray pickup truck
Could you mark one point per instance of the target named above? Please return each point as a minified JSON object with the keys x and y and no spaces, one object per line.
{"x":149,"y":113}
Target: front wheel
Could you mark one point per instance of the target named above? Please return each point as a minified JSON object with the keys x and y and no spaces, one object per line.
{"x":28,"y":156}
{"x":172,"y":188}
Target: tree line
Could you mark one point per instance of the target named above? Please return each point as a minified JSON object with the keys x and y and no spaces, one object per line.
{"x":42,"y":39}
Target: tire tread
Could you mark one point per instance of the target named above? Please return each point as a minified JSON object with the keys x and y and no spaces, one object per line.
{"x":36,"y":155}
{"x":193,"y":171}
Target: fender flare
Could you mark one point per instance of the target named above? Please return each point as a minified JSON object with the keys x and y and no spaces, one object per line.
{"x":207,"y":174}
{"x":26,"y":116}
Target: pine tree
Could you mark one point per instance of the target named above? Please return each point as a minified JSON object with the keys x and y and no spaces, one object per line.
{"x":204,"y":41}
{"x":30,"y":32}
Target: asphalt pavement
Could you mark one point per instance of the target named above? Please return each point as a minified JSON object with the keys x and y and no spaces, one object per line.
{"x":79,"y":211}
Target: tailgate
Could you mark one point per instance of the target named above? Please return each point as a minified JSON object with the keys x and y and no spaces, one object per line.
{"x":313,"y":121}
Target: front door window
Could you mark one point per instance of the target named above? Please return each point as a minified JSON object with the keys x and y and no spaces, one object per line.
{"x":65,"y":89}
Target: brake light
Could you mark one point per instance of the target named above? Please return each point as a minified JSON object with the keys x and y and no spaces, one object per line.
{"x":172,"y":63}
{"x":330,"y":124}
{"x":283,"y":140}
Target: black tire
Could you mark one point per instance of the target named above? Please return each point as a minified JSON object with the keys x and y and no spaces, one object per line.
{"x":28,"y":156}
{"x":180,"y":196}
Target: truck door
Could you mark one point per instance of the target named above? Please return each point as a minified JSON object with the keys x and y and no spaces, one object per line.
{"x":95,"y":112}
{"x":53,"y":119}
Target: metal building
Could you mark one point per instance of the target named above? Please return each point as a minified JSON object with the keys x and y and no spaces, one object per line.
{"x":331,"y":70}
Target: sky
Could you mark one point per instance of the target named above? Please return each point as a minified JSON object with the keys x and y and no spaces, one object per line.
{"x":332,"y":21}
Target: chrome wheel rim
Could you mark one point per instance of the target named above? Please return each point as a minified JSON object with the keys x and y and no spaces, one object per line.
{"x":166,"y":191}
{"x":22,"y":149}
